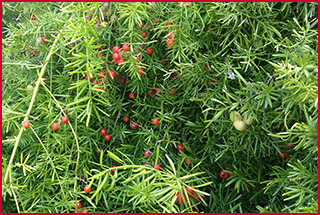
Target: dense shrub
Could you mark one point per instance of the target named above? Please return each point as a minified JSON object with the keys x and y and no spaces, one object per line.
{"x":233,"y":85}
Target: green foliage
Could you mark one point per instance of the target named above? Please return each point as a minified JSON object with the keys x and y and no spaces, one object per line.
{"x":259,"y":59}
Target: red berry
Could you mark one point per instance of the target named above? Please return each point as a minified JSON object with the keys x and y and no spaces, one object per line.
{"x":126,"y":119}
{"x":174,"y":74}
{"x":115,"y":49}
{"x":112,"y":74}
{"x":87,"y":189}
{"x":206,"y":67}
{"x":188,"y":162}
{"x":149,"y":50}
{"x":139,"y":58}
{"x":163,"y":62}
{"x":172,"y":92}
{"x":156,"y":19}
{"x":84,"y":212}
{"x":155,"y":122}
{"x":180,"y":147}
{"x":116,"y":56}
{"x":55,"y":126}
{"x":180,"y":198}
{"x":247,"y":184}
{"x":149,"y":25}
{"x":147,"y":154}
{"x":107,"y":137}
{"x":95,"y":82}
{"x":223,"y":174}
{"x":25,"y":124}
{"x":157,"y":91}
{"x":285,"y":155}
{"x":134,"y":126}
{"x":157,"y":166}
{"x":170,"y":42}
{"x":113,"y":169}
{"x":151,"y":93}
{"x":125,"y":47}
{"x":121,"y":60}
{"x":190,"y":191}
{"x":64,"y":120}
{"x":78,"y":205}
{"x":141,"y":73}
{"x":171,"y":35}
{"x":87,"y":77}
{"x":132,"y":95}
{"x":100,"y":55}
{"x":144,"y":34}
{"x":101,"y":74}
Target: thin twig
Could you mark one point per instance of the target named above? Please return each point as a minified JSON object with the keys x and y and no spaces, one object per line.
{"x":15,"y":198}
{"x":74,"y":133}
{"x":30,"y":108}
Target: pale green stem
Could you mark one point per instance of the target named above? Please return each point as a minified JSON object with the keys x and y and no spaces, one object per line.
{"x":29,"y":109}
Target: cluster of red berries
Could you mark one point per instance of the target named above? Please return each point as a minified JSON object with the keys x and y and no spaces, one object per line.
{"x":116,"y":59}
{"x":170,"y":42}
{"x":190,"y":192}
{"x":180,"y":147}
{"x":55,"y":125}
{"x":102,"y":77}
{"x":107,"y":137}
{"x":116,"y":55}
{"x":144,"y":34}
